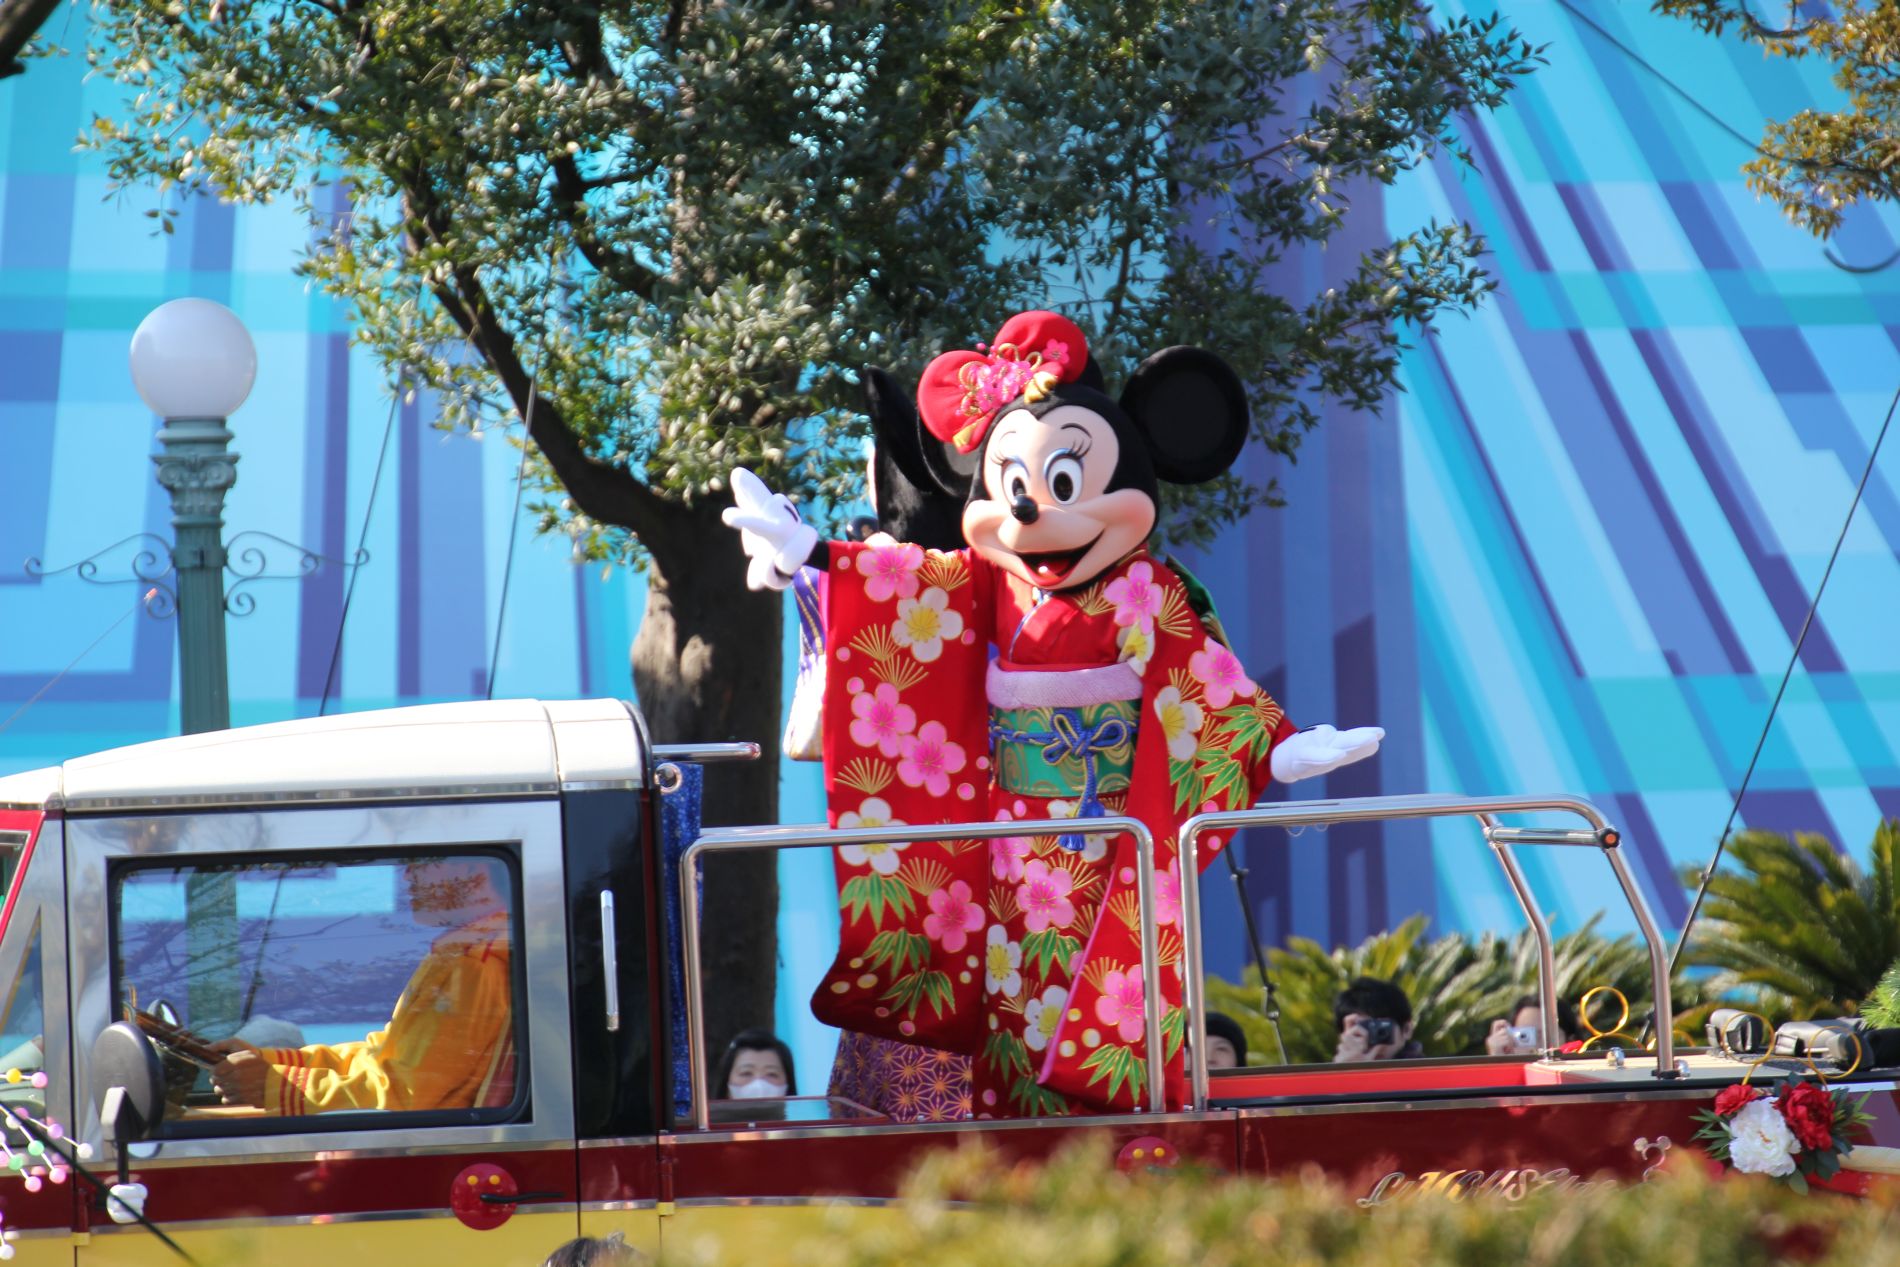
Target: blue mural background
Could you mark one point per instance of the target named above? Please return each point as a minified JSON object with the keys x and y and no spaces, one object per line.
{"x":1572,"y":554}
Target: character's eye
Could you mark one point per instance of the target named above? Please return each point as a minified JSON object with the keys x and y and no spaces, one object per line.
{"x":1015,"y":480}
{"x":1063,"y":474}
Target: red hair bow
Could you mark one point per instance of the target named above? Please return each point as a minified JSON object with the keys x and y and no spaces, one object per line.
{"x":961,"y":391}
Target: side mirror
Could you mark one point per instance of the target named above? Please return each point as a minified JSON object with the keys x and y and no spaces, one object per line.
{"x":128,"y":1083}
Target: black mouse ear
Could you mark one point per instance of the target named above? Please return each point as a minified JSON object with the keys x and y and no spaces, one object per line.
{"x":950,"y":471}
{"x":1191,"y":408}
{"x":895,"y":427}
{"x":1091,"y":376}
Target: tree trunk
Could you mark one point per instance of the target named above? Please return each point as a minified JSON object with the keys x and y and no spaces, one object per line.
{"x":707,"y":669}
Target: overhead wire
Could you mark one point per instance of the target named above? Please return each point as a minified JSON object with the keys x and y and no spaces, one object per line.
{"x":514,"y":531}
{"x":1873,"y":456}
{"x":1794,"y":656}
{"x":362,"y":536}
{"x":53,"y":681}
{"x":521,"y":478}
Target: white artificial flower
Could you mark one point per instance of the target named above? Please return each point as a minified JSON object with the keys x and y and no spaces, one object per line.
{"x":1760,"y":1142}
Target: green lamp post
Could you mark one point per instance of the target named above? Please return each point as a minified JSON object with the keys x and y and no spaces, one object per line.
{"x":193,"y":364}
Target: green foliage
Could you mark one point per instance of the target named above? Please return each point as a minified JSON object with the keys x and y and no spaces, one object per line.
{"x":1882,"y":1007}
{"x":1796,"y":927}
{"x":1816,"y":163}
{"x":973,"y":1205}
{"x":680,"y":229}
{"x":1458,"y":985}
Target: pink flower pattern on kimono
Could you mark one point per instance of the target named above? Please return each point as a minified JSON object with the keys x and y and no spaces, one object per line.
{"x":891,"y":570}
{"x":1220,"y":675}
{"x":1168,"y":894}
{"x":1043,"y":896}
{"x":881,"y":720}
{"x":1120,"y":1004}
{"x":1006,"y":857}
{"x":930,"y":759}
{"x":953,"y":916}
{"x":1136,"y":597}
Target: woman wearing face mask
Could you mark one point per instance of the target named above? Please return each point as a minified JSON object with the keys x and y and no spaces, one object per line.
{"x":756,"y":1066}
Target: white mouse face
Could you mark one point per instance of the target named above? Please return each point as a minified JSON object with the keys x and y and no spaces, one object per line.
{"x":1047,"y":516}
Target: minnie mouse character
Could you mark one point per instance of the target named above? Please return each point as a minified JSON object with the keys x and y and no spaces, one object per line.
{"x":1108,"y":694}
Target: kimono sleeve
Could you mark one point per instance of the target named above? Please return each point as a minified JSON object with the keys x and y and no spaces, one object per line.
{"x":906,"y":741}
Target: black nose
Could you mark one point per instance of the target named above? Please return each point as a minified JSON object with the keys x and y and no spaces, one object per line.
{"x":1024,"y":510}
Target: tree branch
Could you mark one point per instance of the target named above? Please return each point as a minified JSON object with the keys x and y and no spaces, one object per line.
{"x":20,"y":21}
{"x":570,"y":201}
{"x":603,"y":492}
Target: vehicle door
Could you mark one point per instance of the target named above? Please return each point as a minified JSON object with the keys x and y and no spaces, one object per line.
{"x":612,"y":929}
{"x":402,"y":971}
{"x":36,"y":1202}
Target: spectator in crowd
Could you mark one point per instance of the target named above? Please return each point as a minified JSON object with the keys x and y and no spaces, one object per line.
{"x":1226,"y":1044}
{"x":1374,"y":1019}
{"x":1521,"y":1033}
{"x":595,"y":1251}
{"x":756,"y":1066}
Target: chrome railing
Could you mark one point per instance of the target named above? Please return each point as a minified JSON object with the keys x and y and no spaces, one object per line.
{"x":817,"y":835}
{"x":1485,"y":809}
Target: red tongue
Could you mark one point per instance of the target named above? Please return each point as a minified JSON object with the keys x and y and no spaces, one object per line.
{"x":1048,"y":572}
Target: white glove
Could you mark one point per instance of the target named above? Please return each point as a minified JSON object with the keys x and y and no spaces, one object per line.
{"x":769,"y":532}
{"x":1321,"y":750}
{"x":125,"y":1202}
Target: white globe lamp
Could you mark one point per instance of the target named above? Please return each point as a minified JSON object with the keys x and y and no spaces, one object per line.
{"x":192,"y":358}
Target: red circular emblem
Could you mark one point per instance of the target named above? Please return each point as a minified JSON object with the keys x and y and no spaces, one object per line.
{"x":1147,"y":1152}
{"x":477,"y":1181}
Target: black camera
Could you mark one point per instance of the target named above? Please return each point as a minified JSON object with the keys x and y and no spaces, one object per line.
{"x":1379,"y":1030}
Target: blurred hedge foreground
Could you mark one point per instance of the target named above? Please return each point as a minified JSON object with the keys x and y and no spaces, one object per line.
{"x":973,"y":1208}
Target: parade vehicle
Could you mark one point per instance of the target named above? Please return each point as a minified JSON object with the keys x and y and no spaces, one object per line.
{"x":254,"y":873}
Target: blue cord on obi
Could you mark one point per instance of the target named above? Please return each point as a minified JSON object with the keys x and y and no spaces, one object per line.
{"x":1068,"y":737}
{"x":679,"y":827}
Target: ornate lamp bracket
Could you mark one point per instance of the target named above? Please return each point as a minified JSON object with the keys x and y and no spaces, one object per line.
{"x":262,"y":558}
{"x":149,"y":565}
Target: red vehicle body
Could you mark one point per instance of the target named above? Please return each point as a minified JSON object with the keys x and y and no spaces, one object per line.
{"x":114,"y":865}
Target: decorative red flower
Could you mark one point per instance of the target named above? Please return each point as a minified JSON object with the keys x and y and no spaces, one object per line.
{"x":1730,"y":1100}
{"x":1809,"y":1111}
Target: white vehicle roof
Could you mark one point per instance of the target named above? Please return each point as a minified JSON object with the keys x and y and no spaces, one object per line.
{"x":430,"y":751}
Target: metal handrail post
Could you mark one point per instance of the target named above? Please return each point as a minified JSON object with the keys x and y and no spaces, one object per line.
{"x":1658,"y":966}
{"x":1194,"y":982}
{"x":817,"y":835}
{"x":1540,"y":931}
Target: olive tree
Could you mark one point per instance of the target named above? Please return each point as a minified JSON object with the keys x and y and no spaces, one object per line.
{"x":1817,"y":162}
{"x":667,"y":235}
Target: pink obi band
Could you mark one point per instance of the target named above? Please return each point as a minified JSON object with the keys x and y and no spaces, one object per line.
{"x":1061,"y":688}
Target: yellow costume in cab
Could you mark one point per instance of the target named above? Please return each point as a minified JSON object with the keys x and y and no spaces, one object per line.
{"x":449,"y":1043}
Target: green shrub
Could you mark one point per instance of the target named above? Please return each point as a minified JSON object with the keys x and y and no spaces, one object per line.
{"x":974,"y":1208}
{"x":1882,"y":1007}
{"x":1796,"y":928}
{"x":1457,"y":984}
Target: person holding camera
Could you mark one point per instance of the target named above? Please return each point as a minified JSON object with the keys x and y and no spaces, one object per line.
{"x":1375,"y":1022}
{"x":1520,"y":1034}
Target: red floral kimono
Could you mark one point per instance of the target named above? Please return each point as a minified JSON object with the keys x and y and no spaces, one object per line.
{"x":1023,"y":952}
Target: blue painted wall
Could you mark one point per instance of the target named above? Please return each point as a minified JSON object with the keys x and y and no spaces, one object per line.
{"x":1572,"y":555}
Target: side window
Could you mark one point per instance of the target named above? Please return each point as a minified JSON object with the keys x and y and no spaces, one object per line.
{"x":23,"y":1034}
{"x":276,"y":990}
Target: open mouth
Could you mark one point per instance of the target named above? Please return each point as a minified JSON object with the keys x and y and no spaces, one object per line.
{"x":1051,"y":568}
